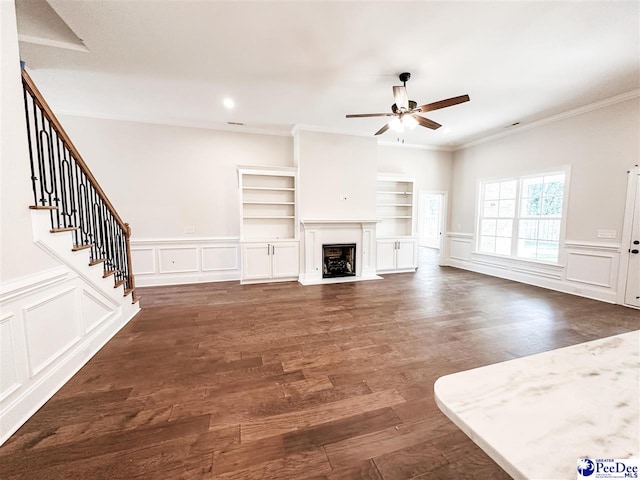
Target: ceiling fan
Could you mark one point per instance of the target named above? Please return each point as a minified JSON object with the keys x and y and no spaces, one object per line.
{"x":405,"y":111}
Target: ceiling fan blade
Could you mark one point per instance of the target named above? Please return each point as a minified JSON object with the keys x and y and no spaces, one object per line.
{"x":400,"y":97}
{"x":425,"y":122}
{"x":449,"y":102}
{"x":360,"y":115}
{"x":383,"y":129}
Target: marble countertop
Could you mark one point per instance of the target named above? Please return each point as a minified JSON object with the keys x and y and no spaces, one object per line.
{"x":537,"y":415}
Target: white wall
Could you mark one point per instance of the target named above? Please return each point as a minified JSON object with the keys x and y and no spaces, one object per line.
{"x":431,"y":169}
{"x":163,"y":178}
{"x":331,"y":165}
{"x":599,"y":146}
{"x":18,"y":255}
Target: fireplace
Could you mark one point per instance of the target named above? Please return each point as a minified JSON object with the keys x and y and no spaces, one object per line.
{"x":339,"y":260}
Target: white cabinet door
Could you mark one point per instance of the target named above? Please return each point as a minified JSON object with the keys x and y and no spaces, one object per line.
{"x":285,"y":260}
{"x":406,"y":254}
{"x":256,"y":261}
{"x":385,"y":255}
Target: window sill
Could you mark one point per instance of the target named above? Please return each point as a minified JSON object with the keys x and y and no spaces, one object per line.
{"x":504,"y":259}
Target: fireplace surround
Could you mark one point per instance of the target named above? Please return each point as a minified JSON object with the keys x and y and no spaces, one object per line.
{"x":318,"y":233}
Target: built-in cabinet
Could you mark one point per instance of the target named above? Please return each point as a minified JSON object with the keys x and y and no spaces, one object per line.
{"x":397,"y":241}
{"x":268,"y":224}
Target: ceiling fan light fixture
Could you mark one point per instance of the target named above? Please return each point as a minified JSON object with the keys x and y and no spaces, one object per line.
{"x":396,"y":125}
{"x":409,"y":121}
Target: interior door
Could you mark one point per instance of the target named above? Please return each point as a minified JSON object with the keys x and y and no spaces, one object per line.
{"x":632,"y":292}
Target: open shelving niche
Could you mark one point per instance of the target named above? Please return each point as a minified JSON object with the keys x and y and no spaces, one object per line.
{"x":268,"y":203}
{"x":395,"y":207}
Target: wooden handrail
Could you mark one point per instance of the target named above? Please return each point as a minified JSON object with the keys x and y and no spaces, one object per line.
{"x":62,"y":134}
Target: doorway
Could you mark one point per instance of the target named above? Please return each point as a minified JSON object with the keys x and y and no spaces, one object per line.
{"x":631,"y":241}
{"x":432,"y":207}
{"x":430,"y":219}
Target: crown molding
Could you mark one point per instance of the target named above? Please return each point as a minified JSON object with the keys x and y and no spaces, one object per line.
{"x":623,"y":97}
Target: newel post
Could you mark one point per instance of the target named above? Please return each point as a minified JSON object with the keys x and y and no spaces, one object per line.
{"x":132,"y":285}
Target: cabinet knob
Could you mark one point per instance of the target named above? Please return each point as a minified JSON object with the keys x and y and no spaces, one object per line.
{"x":635,"y":250}
{"x":636,"y":242}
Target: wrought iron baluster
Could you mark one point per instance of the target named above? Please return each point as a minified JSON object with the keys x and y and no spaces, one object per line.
{"x":30,"y":144}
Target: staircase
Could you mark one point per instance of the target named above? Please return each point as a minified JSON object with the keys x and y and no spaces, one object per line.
{"x":64,"y":188}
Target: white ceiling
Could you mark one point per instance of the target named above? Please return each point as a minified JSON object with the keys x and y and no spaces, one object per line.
{"x":311,"y":62}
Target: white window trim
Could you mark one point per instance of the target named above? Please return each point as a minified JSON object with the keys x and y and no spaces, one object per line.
{"x":566,"y":169}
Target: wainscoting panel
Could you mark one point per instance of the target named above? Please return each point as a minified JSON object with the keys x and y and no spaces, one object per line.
{"x":588,"y":269}
{"x":166,"y":261}
{"x":8,"y":366}
{"x":178,"y":259}
{"x":52,"y":323}
{"x":591,"y":268}
{"x":219,"y":258}
{"x":94,"y":311}
{"x":144,"y":260}
{"x":52,"y":326}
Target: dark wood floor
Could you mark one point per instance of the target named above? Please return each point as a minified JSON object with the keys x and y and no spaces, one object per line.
{"x":281,"y":381}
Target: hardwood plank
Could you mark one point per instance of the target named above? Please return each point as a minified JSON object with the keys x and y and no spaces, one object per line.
{"x":299,"y":466}
{"x":335,"y":431}
{"x":288,"y":422}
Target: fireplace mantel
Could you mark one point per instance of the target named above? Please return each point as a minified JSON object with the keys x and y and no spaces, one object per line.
{"x":318,"y":232}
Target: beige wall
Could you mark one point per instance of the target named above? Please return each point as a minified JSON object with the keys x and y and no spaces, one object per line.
{"x":18,"y":255}
{"x":430,"y":168}
{"x":599,"y":146}
{"x":162,"y":179}
{"x":331,"y":165}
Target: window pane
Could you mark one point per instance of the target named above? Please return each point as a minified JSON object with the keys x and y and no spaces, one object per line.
{"x":532,"y":187}
{"x":548,"y":251}
{"x":508,"y":189}
{"x":549,"y":230}
{"x":531,"y":207}
{"x":552,"y":206}
{"x":490,"y":208}
{"x":492,"y":191}
{"x":504,"y":228}
{"x":488,"y":244}
{"x":503,"y":246}
{"x":554,"y":185}
{"x":528,"y":229}
{"x":527,"y":248}
{"x":507,"y":208}
{"x":488,"y":227}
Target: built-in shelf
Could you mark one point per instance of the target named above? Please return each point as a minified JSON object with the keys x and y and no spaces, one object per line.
{"x":268,"y":203}
{"x":395,"y":206}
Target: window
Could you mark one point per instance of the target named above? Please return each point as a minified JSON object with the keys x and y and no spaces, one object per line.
{"x":522,"y":217}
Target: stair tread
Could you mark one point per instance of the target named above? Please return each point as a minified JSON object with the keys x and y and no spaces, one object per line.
{"x":96,"y":261}
{"x":108,"y":273}
{"x":118,"y":283}
{"x":66,"y":229}
{"x":42,"y":207}
{"x":81,"y":247}
{"x":128,"y":291}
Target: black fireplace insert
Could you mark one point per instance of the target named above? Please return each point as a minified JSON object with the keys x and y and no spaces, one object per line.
{"x":339,"y":260}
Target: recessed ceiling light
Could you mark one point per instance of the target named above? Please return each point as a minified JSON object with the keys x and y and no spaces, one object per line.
{"x":228,"y":103}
